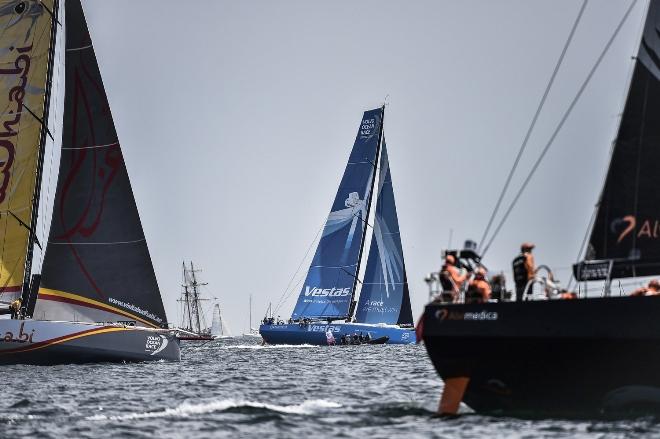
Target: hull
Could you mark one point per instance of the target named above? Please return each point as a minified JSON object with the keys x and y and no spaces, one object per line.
{"x":314,"y":333}
{"x":52,"y":342}
{"x":567,"y":357}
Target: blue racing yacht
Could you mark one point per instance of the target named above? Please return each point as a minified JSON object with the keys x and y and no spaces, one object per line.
{"x":327,"y":311}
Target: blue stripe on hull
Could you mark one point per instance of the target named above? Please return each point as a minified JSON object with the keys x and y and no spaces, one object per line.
{"x":314,"y":333}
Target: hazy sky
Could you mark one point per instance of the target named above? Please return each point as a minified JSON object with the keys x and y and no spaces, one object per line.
{"x":237,"y":118}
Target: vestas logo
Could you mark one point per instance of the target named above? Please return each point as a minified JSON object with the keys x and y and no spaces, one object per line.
{"x":649,"y":228}
{"x":327,"y":292}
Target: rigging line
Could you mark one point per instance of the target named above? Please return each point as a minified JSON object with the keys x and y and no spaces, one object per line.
{"x":533,"y":123}
{"x":286,"y":292}
{"x":559,"y":126}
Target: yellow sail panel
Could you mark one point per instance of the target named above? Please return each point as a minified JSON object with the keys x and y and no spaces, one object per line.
{"x":25,"y":39}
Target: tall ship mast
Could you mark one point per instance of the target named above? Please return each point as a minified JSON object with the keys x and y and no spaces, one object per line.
{"x":97,"y":297}
{"x":342,"y":298}
{"x":193,"y":321}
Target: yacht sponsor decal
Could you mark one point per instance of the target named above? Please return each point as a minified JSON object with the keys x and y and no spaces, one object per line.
{"x":628,"y":225}
{"x":136,"y":309}
{"x":445,"y":314}
{"x":327,"y":292}
{"x":31,"y":346}
{"x":155,"y":344}
{"x":323,"y":328}
{"x":21,"y":337}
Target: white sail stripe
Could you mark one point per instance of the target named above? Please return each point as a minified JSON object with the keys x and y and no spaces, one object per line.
{"x":97,"y":243}
{"x":94,"y":146}
{"x":74,"y":49}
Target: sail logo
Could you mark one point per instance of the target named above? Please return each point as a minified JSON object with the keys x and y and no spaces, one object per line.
{"x":327,"y":292}
{"x":16,"y":95}
{"x":649,"y":228}
{"x":367,"y":128}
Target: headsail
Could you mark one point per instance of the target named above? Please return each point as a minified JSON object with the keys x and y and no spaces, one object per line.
{"x":26,"y":44}
{"x":329,"y":287}
{"x":627,"y":226}
{"x":97,"y":265}
{"x":384,"y":297}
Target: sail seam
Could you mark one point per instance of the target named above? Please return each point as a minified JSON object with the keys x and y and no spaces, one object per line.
{"x":93,"y":146}
{"x":74,"y":49}
{"x":97,"y":243}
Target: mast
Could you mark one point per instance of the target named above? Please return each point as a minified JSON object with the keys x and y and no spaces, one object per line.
{"x":186,"y":298}
{"x":36,"y":195}
{"x":351,"y":310}
{"x":250,"y":312}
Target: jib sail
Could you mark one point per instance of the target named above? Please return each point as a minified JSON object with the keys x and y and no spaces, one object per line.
{"x":384,"y":297}
{"x":25,"y":47}
{"x":627,"y":226}
{"x":330,"y":284}
{"x":97,"y":265}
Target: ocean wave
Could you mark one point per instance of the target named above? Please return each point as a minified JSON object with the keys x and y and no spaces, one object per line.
{"x":187,"y":409}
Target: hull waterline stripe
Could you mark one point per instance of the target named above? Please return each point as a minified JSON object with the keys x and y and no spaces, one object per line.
{"x":61,"y":296}
{"x":62,"y":339}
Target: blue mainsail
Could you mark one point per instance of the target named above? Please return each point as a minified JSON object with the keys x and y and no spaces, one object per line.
{"x":384,"y":297}
{"x":330,"y":283}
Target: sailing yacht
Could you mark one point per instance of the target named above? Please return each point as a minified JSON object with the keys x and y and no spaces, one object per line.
{"x":96,"y":298}
{"x":584,"y":357}
{"x":253,"y":332}
{"x":326,"y":304}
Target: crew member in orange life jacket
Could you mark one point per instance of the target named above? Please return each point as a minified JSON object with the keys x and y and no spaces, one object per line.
{"x":479,"y":290}
{"x":455,"y":275}
{"x":524,"y":270}
{"x":652,"y":289}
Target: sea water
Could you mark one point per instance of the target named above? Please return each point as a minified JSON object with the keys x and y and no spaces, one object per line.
{"x":234,"y":388}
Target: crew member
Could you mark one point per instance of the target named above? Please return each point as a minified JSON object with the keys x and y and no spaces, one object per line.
{"x":452,"y":278}
{"x":15,"y":308}
{"x":479,"y":290}
{"x":524,"y":270}
{"x":652,"y":289}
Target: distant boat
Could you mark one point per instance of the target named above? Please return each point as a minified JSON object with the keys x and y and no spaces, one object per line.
{"x":193,"y":321}
{"x":219,"y":328}
{"x":253,"y":332}
{"x":96,"y":298}
{"x":327,"y":300}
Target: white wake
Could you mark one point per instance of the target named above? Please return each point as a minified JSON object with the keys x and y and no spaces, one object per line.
{"x":187,"y":409}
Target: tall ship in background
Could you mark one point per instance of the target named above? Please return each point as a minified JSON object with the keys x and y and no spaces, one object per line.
{"x":193,"y":317}
{"x":327,"y":310}
{"x":593,"y":355}
{"x":96,"y":266}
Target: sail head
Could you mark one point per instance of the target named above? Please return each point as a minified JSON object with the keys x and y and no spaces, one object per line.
{"x":328,"y":289}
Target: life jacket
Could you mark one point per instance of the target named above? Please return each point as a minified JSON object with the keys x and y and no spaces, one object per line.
{"x":473,"y":294}
{"x":520,"y":275}
{"x":446,"y":281}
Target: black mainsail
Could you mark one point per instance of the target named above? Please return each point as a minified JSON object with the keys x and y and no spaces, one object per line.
{"x":97,"y":265}
{"x":626,"y":232}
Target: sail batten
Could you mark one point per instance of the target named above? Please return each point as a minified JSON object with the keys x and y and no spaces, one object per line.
{"x":97,"y":259}
{"x":330,"y":283}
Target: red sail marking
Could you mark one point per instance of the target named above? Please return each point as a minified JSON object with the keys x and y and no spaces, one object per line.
{"x":112,"y":158}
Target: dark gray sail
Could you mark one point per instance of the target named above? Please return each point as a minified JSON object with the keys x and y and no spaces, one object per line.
{"x":97,"y":265}
{"x":625,"y":239}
